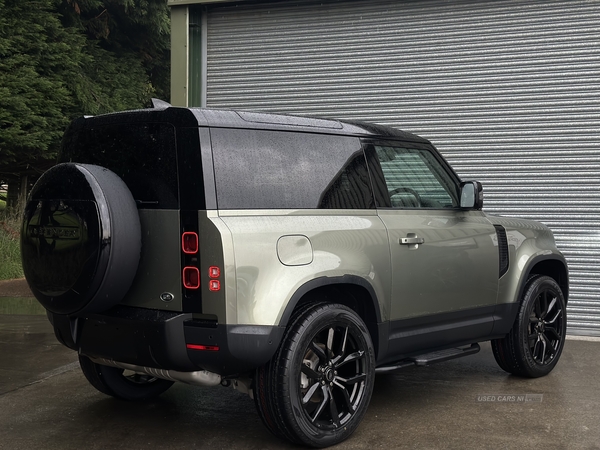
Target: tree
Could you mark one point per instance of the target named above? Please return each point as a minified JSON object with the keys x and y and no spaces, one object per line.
{"x":38,"y":57}
{"x":60,"y":59}
{"x":130,"y":30}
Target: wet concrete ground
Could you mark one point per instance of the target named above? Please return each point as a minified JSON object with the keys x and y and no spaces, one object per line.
{"x":46,"y":403}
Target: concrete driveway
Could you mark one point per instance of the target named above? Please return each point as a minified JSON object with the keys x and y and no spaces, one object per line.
{"x":46,"y":403}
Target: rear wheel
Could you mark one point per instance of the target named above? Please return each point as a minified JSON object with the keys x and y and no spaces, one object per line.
{"x":533,"y":346}
{"x":122,"y":384}
{"x":316,"y":389}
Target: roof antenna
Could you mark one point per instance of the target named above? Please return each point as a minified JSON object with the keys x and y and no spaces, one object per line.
{"x":160,"y":104}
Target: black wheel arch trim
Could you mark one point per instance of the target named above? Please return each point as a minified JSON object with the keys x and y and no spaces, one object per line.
{"x":328,"y":281}
{"x":528,"y":271}
{"x":376,"y":327}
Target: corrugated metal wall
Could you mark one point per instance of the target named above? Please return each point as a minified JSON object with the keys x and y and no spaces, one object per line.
{"x":509,"y":91}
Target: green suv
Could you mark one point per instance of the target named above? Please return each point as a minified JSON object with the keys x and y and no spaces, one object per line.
{"x":291,"y":258}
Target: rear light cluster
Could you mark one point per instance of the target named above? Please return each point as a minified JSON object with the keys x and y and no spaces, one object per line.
{"x":191,"y":274}
{"x":191,"y":277}
{"x":189,"y":246}
{"x":189,"y":243}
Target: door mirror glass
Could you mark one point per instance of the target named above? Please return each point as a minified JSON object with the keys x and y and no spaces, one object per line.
{"x":471,"y":195}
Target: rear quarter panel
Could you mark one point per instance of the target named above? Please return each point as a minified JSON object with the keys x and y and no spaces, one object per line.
{"x":341,"y":243}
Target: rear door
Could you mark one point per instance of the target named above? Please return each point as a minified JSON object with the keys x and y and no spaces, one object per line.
{"x":144,"y":155}
{"x":444,"y":259}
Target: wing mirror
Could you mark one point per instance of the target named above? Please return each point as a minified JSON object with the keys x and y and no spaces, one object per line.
{"x":471,"y":195}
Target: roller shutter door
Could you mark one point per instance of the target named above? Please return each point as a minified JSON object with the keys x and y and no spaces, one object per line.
{"x":509,"y":91}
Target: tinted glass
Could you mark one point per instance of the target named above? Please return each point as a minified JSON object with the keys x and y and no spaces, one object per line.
{"x":285,"y":170}
{"x":142,"y":154}
{"x":414,"y":178}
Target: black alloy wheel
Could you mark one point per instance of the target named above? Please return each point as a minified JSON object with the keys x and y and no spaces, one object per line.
{"x":545,"y":331}
{"x":317,"y":388}
{"x":533,"y":346}
{"x":333,"y":377}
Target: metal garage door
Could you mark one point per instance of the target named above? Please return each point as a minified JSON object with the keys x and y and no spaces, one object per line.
{"x":509,"y":91}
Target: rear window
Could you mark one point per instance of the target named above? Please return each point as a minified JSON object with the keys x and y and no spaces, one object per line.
{"x":285,"y":170}
{"x":142,"y":154}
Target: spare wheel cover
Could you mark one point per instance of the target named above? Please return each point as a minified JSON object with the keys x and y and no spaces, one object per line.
{"x":81,"y":239}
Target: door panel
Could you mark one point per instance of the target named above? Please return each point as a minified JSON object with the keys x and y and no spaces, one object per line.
{"x":444,"y":259}
{"x":454,"y":268}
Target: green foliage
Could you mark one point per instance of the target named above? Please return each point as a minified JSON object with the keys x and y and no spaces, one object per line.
{"x":10,"y":252}
{"x":128,"y":29}
{"x":38,"y":57}
{"x":111,"y":83}
{"x":60,"y":59}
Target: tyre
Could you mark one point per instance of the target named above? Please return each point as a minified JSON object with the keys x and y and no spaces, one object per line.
{"x":80,"y":240}
{"x":533,"y":346}
{"x":316,"y":389}
{"x":122,"y":384}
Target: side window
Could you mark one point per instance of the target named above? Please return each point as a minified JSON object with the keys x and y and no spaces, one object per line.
{"x":257,"y":169}
{"x":350,"y":188}
{"x":412,"y":178}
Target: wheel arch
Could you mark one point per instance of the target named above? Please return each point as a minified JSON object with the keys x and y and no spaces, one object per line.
{"x":349,"y":290}
{"x":553,"y":266}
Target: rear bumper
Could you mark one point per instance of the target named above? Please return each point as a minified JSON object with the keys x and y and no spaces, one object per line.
{"x":161,"y":339}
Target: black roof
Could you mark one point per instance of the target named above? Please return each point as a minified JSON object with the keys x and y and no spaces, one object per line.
{"x":271,"y":121}
{"x":256,"y":120}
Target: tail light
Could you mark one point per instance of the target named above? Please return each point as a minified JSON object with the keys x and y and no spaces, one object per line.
{"x":189,"y":246}
{"x":191,"y":277}
{"x":189,"y":243}
{"x":191,"y":261}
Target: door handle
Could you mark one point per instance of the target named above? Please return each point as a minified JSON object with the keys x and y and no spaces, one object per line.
{"x":411,"y":240}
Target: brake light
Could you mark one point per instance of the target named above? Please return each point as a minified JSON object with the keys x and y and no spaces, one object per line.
{"x":189,"y":242}
{"x":191,"y":277}
{"x":191,"y":263}
{"x":214,"y":285}
{"x":214,"y":272}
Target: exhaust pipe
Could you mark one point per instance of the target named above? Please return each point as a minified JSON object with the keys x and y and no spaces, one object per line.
{"x":197,"y":378}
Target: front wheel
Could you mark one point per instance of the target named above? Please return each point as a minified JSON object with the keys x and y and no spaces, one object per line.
{"x":120,"y":383}
{"x":316,"y":389}
{"x":535,"y":342}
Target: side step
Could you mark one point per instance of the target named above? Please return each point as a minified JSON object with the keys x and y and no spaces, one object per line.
{"x":430,"y":358}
